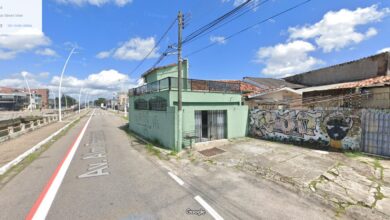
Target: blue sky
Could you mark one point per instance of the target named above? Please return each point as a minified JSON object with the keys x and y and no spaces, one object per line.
{"x":112,"y":35}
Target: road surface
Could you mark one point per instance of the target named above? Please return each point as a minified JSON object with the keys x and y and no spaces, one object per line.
{"x":94,"y":172}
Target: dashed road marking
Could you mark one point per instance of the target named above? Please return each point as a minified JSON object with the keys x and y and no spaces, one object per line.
{"x":45,"y":200}
{"x":208,"y":208}
{"x":176,"y":178}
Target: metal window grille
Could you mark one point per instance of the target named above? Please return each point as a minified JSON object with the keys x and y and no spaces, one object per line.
{"x":158,"y":104}
{"x":141,"y":104}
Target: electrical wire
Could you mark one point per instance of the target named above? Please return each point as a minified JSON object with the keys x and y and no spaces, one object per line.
{"x":251,"y":26}
{"x":255,"y":6}
{"x":155,"y":46}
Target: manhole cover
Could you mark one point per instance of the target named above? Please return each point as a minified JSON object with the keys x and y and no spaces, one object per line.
{"x":211,"y":152}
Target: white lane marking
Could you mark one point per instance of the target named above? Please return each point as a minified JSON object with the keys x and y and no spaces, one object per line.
{"x":208,"y":208}
{"x":177,"y":179}
{"x":17,"y":160}
{"x":47,"y":201}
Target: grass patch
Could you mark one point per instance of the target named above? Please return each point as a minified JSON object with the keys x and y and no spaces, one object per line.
{"x":15,"y":170}
{"x":353,"y":154}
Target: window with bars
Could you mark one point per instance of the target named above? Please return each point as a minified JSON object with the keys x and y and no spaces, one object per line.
{"x":141,"y":104}
{"x":158,"y":104}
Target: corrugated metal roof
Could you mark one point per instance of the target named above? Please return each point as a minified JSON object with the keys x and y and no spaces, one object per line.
{"x":271,"y":83}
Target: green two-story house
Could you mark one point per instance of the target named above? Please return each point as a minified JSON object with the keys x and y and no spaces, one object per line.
{"x":212,"y":110}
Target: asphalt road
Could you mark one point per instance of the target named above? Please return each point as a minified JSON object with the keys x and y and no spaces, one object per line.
{"x":95,"y":172}
{"x":106,"y":179}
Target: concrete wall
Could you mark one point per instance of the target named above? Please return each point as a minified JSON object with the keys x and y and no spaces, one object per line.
{"x":379,"y":98}
{"x":377,"y":65}
{"x":317,"y":128}
{"x":157,"y":126}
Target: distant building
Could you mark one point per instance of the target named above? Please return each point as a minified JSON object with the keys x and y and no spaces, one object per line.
{"x":211,"y":109}
{"x":363,"y":83}
{"x":123,"y":99}
{"x":365,"y":68}
{"x":273,"y":94}
{"x":44,"y":94}
{"x":13,"y":101}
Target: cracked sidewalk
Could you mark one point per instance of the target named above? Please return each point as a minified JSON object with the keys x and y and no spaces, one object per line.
{"x":355,"y":185}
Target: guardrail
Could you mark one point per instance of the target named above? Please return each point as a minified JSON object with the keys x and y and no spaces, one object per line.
{"x":24,"y":127}
{"x":195,"y":85}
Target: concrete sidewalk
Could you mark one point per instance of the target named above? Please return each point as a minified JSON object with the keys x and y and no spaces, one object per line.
{"x":11,"y":149}
{"x":355,"y":185}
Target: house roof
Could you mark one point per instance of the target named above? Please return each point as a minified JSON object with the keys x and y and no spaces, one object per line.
{"x":157,"y":68}
{"x":270,"y":83}
{"x":8,"y":90}
{"x":375,"y":81}
{"x":270,"y":91}
{"x":244,"y":86}
{"x":380,"y":80}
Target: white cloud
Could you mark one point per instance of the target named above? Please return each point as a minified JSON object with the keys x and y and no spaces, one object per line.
{"x":103,"y":54}
{"x":286,"y":59}
{"x":16,"y":80}
{"x":21,"y":41}
{"x":103,"y":83}
{"x":387,"y":49}
{"x":98,"y":3}
{"x":133,"y":49}
{"x":46,"y":52}
{"x":218,"y":39}
{"x":338,"y":29}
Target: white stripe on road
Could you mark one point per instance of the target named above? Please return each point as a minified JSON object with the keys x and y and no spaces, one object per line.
{"x":208,"y":208}
{"x":44,"y":206}
{"x":17,"y":160}
{"x":177,"y":179}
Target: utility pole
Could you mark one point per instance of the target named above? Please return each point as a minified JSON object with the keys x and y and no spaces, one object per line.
{"x":179,"y":86}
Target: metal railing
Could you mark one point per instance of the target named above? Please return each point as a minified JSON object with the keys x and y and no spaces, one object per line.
{"x":170,"y":83}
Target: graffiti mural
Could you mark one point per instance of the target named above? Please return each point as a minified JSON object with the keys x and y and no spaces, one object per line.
{"x":326,"y":128}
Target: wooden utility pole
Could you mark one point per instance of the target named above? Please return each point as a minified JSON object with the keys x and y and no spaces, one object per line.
{"x":179,"y":79}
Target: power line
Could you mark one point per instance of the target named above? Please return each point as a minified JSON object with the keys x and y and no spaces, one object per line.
{"x":155,"y":46}
{"x":200,"y":31}
{"x":215,"y":22}
{"x":255,"y":6}
{"x":251,"y":26}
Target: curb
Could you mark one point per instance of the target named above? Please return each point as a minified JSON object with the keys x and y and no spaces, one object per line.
{"x":17,"y":160}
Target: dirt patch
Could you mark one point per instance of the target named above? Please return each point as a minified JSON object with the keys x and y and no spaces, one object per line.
{"x":211,"y":152}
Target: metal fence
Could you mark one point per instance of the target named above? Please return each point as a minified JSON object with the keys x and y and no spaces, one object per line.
{"x":376,"y":133}
{"x":171,"y":83}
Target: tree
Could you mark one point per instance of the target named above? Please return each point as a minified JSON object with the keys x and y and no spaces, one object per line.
{"x":99,"y":101}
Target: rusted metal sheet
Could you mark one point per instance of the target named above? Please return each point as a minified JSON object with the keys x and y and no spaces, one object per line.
{"x":376,"y":133}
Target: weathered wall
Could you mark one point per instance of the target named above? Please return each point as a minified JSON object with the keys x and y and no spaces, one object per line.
{"x":365,"y":68}
{"x":337,"y":129}
{"x":153,"y":125}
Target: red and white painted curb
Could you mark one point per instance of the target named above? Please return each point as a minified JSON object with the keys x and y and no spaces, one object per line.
{"x":41,"y":207}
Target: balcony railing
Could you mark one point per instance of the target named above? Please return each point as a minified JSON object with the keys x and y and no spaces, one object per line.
{"x":170,"y":83}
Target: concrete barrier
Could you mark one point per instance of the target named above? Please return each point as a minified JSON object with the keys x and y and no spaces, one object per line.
{"x":23,"y":128}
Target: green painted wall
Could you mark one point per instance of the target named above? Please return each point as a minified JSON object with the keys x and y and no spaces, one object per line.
{"x":162,"y":73}
{"x":153,"y":125}
{"x":161,"y":126}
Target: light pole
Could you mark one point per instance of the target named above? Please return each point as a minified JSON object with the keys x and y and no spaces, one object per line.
{"x":54,"y":98}
{"x":80,"y":99}
{"x":24,"y":74}
{"x":59,"y":87}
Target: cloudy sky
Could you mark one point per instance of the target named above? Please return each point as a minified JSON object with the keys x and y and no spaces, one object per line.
{"x":112,"y":36}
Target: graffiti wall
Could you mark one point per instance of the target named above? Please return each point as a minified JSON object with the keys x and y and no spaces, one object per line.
{"x":337,"y":129}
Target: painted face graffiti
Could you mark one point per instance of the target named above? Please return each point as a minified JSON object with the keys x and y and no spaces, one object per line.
{"x":338,"y":126}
